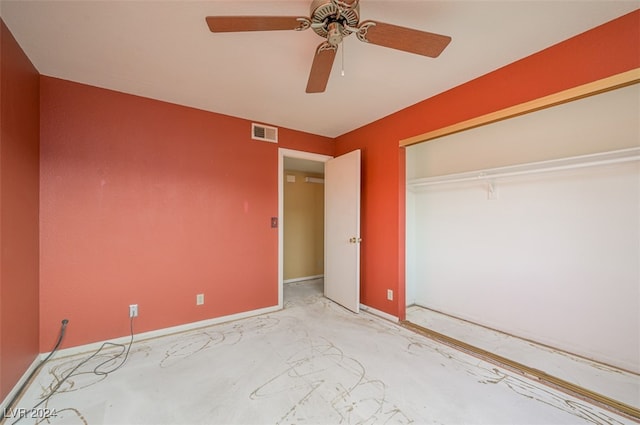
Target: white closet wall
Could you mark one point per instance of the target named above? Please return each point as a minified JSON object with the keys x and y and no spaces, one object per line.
{"x":556,"y":256}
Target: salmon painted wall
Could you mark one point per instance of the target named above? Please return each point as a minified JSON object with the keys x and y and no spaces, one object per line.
{"x":603,"y":51}
{"x":19,"y":179}
{"x":150,"y":203}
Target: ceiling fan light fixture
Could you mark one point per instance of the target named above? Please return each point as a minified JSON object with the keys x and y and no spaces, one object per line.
{"x":334,"y":33}
{"x":325,"y":12}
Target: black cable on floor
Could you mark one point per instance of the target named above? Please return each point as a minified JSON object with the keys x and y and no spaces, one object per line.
{"x":96,"y":371}
{"x":18,"y":393}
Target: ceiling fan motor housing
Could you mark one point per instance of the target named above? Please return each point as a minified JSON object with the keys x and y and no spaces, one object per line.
{"x":331,"y":22}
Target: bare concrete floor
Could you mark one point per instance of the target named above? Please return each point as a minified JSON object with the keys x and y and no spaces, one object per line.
{"x":311,"y":363}
{"x":606,"y":380}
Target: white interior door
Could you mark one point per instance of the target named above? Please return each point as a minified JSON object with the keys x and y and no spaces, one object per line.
{"x":342,"y":230}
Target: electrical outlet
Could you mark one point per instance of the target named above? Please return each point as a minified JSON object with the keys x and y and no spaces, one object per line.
{"x":390,"y":294}
{"x":133,"y":310}
{"x":199,"y":299}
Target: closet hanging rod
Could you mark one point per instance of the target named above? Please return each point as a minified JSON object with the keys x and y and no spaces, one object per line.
{"x":562,"y":164}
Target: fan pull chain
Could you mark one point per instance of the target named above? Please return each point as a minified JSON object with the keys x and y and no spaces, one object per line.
{"x":342,"y":72}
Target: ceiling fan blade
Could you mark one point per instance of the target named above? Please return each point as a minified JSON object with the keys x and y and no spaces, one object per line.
{"x":256,"y":23}
{"x":401,"y":38}
{"x":321,"y":68}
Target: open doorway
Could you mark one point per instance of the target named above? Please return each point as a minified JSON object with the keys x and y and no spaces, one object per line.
{"x":301,"y":217}
{"x":303,"y":225}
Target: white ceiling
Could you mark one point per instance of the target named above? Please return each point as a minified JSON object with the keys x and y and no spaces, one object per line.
{"x":164,"y":50}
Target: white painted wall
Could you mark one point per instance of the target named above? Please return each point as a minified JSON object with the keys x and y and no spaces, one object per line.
{"x":410,"y":252}
{"x":605,"y":122}
{"x":556,"y":258}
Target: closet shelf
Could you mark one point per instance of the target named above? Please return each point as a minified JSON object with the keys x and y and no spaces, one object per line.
{"x":490,"y":174}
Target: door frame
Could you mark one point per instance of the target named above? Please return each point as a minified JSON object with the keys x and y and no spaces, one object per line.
{"x":289,"y":153}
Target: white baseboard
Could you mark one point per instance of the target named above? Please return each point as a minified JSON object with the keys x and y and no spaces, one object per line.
{"x":379,"y":313}
{"x":21,"y":381}
{"x":300,"y":279}
{"x":164,"y":332}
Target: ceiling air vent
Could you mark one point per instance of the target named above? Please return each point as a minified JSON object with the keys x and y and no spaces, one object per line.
{"x":264,"y":133}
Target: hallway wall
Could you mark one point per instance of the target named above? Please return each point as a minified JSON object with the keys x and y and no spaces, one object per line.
{"x":303,"y":226}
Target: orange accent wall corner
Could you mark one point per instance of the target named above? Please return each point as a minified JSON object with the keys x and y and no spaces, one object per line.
{"x":19,"y":179}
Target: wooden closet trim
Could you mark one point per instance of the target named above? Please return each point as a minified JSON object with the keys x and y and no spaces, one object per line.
{"x":595,"y":87}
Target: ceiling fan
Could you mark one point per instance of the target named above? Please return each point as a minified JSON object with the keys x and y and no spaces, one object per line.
{"x":334,"y":20}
